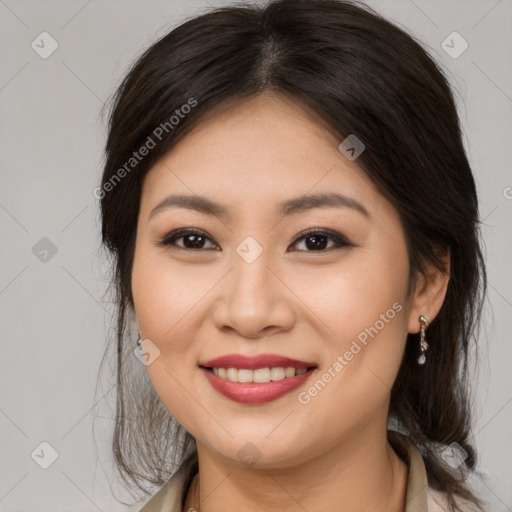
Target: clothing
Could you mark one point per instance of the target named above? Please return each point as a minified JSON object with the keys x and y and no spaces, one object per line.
{"x":419,"y":497}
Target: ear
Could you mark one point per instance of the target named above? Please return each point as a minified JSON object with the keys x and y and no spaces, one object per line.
{"x":429,"y":293}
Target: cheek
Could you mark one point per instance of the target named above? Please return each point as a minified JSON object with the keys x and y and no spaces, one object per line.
{"x":167,"y":301}
{"x":165,"y":294}
{"x":351,"y":296}
{"x":361,"y":306}
{"x":361,"y":346}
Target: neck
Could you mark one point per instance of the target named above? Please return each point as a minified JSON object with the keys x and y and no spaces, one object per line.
{"x":364,"y":473}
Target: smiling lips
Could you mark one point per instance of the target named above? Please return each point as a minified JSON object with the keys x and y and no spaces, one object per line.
{"x":256,"y":379}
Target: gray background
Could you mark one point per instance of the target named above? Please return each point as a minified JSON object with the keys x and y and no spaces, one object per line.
{"x":54,"y":314}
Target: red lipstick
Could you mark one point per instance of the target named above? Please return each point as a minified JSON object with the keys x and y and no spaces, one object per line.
{"x":253,"y":392}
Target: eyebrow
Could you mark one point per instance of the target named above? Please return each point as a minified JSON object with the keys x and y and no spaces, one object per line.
{"x":287,"y":207}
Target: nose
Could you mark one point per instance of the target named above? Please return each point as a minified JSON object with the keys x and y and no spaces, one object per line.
{"x":254,"y":300}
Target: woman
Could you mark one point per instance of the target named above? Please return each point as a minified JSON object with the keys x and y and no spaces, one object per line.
{"x":294,"y":229}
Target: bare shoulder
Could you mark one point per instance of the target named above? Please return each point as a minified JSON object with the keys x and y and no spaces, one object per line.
{"x":437,"y":502}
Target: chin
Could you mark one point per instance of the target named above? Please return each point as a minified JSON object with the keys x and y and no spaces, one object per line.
{"x":260,"y":453}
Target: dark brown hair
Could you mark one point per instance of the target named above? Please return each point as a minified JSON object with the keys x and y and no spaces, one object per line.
{"x":362,"y":75}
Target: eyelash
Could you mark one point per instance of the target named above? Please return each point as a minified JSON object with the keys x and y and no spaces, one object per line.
{"x":171,"y":238}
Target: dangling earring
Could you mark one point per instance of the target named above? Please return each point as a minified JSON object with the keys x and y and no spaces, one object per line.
{"x":423,"y":342}
{"x":139,"y":340}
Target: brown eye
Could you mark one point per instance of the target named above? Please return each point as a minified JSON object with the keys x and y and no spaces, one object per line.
{"x":318,"y":241}
{"x":193,"y":239}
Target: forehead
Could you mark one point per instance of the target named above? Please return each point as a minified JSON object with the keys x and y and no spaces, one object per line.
{"x":259,"y":152}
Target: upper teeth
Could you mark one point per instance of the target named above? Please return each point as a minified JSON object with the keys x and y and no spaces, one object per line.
{"x":260,"y":375}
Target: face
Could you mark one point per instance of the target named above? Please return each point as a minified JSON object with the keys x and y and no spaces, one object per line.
{"x":323,"y":284}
